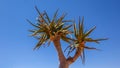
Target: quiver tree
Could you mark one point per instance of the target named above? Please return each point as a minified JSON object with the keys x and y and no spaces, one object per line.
{"x":52,"y":30}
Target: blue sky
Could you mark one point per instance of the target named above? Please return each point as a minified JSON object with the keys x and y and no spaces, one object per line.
{"x":16,"y":45}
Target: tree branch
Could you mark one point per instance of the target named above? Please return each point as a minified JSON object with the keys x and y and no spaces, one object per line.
{"x":70,"y":60}
{"x":57,"y":45}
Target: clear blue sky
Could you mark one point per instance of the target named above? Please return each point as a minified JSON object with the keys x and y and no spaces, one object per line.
{"x":16,"y":45}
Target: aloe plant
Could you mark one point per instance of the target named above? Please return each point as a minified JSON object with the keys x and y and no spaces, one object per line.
{"x":81,"y":38}
{"x":49,"y":29}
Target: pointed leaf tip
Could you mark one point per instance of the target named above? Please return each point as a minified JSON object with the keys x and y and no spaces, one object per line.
{"x":31,"y":23}
{"x":37,"y":10}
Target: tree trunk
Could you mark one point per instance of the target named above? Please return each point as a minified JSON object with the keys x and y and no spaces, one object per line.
{"x":64,"y":65}
{"x":62,"y":59}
